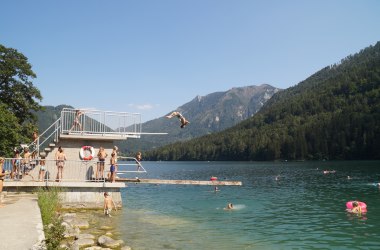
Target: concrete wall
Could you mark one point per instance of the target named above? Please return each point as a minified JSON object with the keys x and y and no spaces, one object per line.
{"x":75,"y":168}
{"x":88,"y":198}
{"x":71,"y":147}
{"x":73,"y":195}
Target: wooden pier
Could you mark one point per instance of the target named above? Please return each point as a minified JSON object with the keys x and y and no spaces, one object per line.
{"x":181,"y":182}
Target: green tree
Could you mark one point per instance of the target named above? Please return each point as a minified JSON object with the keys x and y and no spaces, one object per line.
{"x":18,"y":96}
{"x":10,"y":131}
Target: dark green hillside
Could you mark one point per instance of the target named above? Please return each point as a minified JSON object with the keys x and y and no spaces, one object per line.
{"x":334,"y":114}
{"x":48,"y":116}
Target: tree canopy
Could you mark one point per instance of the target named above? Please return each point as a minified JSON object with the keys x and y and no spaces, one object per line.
{"x":18,"y":99}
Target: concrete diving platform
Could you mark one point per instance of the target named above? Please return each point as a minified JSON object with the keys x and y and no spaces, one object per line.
{"x":73,"y":194}
{"x":182,"y":182}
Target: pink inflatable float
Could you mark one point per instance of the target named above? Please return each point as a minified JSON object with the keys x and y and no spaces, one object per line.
{"x":350,"y":206}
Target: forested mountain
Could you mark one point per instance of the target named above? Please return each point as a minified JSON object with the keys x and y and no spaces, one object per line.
{"x":48,"y":116}
{"x":207,"y":114}
{"x":214,"y":112}
{"x":333,"y":114}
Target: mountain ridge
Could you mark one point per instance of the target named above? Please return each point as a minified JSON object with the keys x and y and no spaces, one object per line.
{"x":207,"y":114}
{"x":333,"y":114}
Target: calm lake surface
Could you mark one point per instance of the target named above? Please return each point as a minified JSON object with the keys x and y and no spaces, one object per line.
{"x":303,"y":209}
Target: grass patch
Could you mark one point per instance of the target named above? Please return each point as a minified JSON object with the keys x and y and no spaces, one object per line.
{"x":50,"y":206}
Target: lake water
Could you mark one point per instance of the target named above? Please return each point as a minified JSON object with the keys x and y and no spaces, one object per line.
{"x":303,"y":209}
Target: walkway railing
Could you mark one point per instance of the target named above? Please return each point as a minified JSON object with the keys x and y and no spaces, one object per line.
{"x":87,"y":122}
{"x":73,"y":171}
{"x":80,"y":121}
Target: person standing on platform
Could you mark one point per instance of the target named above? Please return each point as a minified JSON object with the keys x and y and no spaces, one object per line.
{"x":138,"y":158}
{"x":102,"y":155}
{"x":76,"y":123}
{"x":113,"y":168}
{"x":2,"y":175}
{"x":60,"y":158}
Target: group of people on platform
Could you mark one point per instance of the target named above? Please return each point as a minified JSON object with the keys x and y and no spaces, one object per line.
{"x":22,"y":165}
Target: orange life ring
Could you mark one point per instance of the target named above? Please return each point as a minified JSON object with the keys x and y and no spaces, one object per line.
{"x":85,"y":148}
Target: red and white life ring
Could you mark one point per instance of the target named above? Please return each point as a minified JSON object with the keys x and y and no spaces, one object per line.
{"x":87,"y":157}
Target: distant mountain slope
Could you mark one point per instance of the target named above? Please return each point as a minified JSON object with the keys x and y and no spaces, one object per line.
{"x":48,"y":116}
{"x":333,"y":114}
{"x":207,"y":114}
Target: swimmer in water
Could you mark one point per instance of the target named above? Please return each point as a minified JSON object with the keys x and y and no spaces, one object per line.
{"x":229,"y":206}
{"x":356,"y":208}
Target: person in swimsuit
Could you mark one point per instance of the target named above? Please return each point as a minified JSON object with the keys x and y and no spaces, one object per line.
{"x":229,"y":206}
{"x":60,"y":158}
{"x":76,"y":122}
{"x":2,"y":175}
{"x":16,"y":162}
{"x":108,"y":204}
{"x":138,"y":158}
{"x":102,"y":155}
{"x":356,"y":209}
{"x":113,"y":168}
{"x":25,"y":162}
{"x":41,"y":176}
{"x":182,"y":119}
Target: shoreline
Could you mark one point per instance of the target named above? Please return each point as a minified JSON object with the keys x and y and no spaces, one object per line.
{"x":85,"y":228}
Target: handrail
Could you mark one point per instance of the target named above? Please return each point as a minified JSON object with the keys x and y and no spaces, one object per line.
{"x":56,"y":124}
{"x":73,"y":170}
{"x":140,"y":168}
{"x":37,"y":141}
{"x":95,"y":122}
{"x":90,"y":123}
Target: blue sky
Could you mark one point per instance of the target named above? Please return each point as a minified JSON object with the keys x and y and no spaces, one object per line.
{"x":152,"y":56}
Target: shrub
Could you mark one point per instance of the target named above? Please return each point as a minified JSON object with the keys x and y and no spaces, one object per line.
{"x":48,"y":200}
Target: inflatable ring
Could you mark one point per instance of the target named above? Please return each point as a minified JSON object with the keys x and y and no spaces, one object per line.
{"x":213,"y":178}
{"x":87,"y":148}
{"x":362,"y":205}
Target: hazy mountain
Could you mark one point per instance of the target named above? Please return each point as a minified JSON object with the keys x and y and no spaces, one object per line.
{"x":207,"y":114}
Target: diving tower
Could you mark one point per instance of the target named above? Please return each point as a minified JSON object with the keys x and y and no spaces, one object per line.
{"x":80,"y":133}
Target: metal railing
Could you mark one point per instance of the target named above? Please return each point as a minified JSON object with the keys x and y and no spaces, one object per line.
{"x":89,"y":122}
{"x":72,"y":171}
{"x":44,"y":138}
{"x":86,"y":121}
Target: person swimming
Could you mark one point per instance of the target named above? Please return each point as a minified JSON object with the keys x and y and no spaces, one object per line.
{"x":356,"y":208}
{"x":229,"y":206}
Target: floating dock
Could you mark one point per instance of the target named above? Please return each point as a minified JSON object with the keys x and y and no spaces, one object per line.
{"x":181,"y":182}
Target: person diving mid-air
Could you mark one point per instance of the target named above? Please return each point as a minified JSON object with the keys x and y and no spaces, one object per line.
{"x":182,"y":119}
